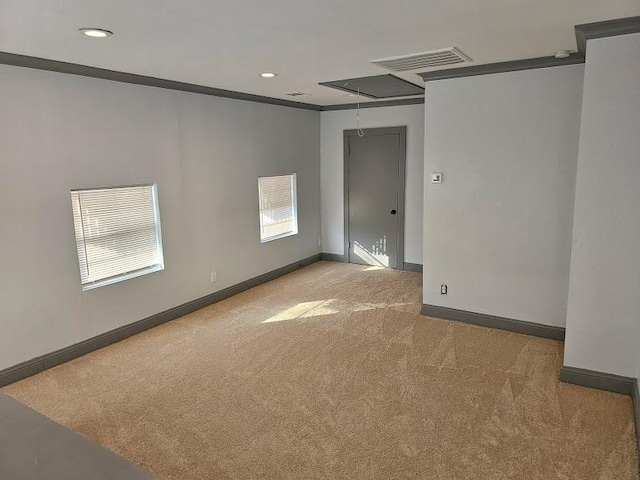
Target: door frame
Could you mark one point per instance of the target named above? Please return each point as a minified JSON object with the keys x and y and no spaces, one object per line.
{"x":402,"y":162}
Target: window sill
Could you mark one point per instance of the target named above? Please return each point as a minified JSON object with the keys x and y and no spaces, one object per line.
{"x":277,"y":237}
{"x":122,"y":278}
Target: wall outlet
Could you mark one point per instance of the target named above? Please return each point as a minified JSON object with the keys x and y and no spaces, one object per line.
{"x":443,"y":289}
{"x":214,"y":276}
{"x":319,"y":242}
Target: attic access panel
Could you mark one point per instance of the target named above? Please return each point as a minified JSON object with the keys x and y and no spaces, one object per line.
{"x":378,"y":86}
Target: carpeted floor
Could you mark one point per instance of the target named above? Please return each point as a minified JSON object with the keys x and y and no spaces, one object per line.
{"x":331,"y":373}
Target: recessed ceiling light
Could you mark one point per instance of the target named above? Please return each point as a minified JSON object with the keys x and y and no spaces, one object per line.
{"x":268,"y":75}
{"x":96,"y":32}
{"x":563,"y":53}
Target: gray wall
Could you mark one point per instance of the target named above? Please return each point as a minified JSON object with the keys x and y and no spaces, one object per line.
{"x":59,"y":132}
{"x":333,"y":123}
{"x":498,"y":230}
{"x":603,"y":322}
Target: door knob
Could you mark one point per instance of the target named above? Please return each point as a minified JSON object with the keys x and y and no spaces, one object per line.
{"x":393,"y":212}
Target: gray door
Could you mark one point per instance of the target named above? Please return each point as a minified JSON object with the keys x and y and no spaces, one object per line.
{"x":374,"y":196}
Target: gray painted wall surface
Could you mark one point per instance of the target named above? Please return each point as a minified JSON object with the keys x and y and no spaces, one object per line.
{"x":497,"y":231}
{"x":59,"y":132}
{"x":332,"y":124}
{"x":603,"y":319}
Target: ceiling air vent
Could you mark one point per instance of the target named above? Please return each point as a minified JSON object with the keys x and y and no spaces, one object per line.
{"x":297,"y":94}
{"x":420,"y":61}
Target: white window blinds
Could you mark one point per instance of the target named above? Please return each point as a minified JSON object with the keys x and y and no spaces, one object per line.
{"x":117,"y":233}
{"x":278,"y":215}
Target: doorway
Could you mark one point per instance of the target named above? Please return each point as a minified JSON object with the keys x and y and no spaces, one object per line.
{"x":374,"y":183}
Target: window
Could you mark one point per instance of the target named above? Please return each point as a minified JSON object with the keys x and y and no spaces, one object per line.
{"x":278,"y":209}
{"x":117,"y":233}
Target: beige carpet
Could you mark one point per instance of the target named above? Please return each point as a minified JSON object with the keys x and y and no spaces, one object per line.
{"x":331,"y":373}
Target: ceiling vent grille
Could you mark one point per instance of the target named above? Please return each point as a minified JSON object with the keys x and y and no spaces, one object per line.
{"x":420,"y":61}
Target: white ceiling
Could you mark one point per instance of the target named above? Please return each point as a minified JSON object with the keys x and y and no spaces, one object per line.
{"x":227,"y":43}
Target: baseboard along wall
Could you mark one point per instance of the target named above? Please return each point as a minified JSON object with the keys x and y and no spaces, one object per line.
{"x":412,"y":267}
{"x":333,"y":257}
{"x":49,"y":360}
{"x":599,"y":380}
{"x":636,"y":410}
{"x":337,"y":257}
{"x":484,"y":320}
